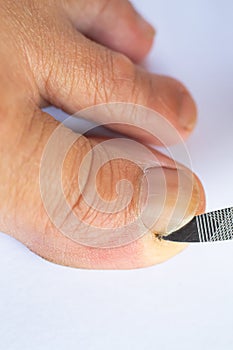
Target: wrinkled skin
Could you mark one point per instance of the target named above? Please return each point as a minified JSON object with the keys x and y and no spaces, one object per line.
{"x":74,"y":54}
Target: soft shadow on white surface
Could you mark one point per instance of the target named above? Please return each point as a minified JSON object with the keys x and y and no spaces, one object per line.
{"x":185,"y":303}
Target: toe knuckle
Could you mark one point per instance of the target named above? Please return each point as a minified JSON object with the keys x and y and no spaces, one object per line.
{"x":111,"y":77}
{"x":123,"y":77}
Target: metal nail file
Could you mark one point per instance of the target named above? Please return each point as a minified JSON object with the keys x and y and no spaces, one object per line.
{"x":210,"y":227}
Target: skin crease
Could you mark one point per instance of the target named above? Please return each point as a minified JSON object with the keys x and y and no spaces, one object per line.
{"x":46,"y":58}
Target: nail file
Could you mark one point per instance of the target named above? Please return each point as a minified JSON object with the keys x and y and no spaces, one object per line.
{"x":210,"y":227}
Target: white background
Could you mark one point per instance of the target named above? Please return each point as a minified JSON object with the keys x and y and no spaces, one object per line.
{"x":185,"y":303}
